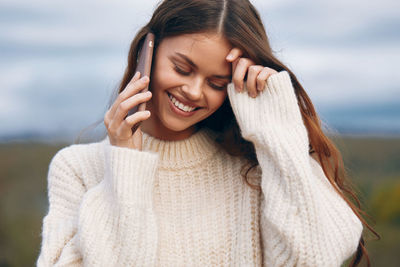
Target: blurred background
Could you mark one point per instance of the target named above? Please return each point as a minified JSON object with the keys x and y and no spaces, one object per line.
{"x":61,"y":61}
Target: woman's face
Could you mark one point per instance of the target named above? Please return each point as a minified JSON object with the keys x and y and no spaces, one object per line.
{"x":188,"y":82}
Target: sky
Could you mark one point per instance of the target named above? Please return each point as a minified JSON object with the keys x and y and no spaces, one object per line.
{"x":61,"y":60}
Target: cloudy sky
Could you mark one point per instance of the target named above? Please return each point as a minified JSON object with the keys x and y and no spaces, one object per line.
{"x":60,"y":60}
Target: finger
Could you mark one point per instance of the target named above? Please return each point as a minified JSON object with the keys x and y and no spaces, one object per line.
{"x":234,"y":65}
{"x":119,"y":98}
{"x":240,"y":72}
{"x":107,"y":119}
{"x":135,"y":77}
{"x":251,"y":82}
{"x":234,"y":54}
{"x":126,"y":105}
{"x":133,"y":87}
{"x":263,"y":77}
{"x":125,"y":129}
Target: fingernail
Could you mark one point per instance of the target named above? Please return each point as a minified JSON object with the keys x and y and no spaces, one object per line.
{"x":147,"y":112}
{"x":136,"y":74}
{"x":229,"y":57}
{"x":148,"y":93}
{"x":145,"y":79}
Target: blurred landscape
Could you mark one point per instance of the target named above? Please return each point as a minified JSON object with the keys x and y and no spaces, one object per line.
{"x":373,"y":164}
{"x":61,"y":61}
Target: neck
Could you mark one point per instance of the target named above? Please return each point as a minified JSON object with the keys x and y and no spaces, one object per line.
{"x":199,"y":147}
{"x":158,"y":131}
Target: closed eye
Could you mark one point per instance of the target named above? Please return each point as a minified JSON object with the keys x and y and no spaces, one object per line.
{"x":213,"y":85}
{"x":180,"y":71}
{"x":186,"y":73}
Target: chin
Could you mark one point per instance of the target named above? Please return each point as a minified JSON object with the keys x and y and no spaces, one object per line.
{"x":176,"y":125}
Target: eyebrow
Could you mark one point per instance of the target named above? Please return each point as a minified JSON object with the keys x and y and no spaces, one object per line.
{"x":190,"y":62}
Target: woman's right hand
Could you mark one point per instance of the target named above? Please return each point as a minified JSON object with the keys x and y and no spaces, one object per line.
{"x":119,"y":125}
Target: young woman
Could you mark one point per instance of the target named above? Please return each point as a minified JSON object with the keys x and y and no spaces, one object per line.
{"x":228,"y":167}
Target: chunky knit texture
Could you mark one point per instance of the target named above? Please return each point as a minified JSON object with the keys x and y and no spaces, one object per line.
{"x":184,"y":203}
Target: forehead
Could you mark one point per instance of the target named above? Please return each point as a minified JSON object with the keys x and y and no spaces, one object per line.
{"x":204,"y":49}
{"x":198,"y":39}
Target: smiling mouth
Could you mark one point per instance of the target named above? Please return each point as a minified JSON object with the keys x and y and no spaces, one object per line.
{"x":181,"y":106}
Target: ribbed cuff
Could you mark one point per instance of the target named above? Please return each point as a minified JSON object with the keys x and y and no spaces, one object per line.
{"x":275,"y":107}
{"x":283,"y":97}
{"x":130,"y":174}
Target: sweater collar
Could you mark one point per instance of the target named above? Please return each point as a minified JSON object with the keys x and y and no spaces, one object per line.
{"x":193,"y":150}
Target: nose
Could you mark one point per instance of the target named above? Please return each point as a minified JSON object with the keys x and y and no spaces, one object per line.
{"x":193,"y":91}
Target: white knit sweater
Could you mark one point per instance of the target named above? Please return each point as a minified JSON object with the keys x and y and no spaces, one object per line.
{"x":184,"y":203}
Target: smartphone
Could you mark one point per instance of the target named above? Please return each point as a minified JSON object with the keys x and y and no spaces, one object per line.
{"x":144,"y":60}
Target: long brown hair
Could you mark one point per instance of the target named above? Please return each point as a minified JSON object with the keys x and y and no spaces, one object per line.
{"x":240,"y":23}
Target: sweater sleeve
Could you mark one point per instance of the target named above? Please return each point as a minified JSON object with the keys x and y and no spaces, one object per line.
{"x":112,"y":223}
{"x":304,"y":221}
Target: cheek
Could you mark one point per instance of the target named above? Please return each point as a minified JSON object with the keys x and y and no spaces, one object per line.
{"x":217,"y":99}
{"x":163,"y":76}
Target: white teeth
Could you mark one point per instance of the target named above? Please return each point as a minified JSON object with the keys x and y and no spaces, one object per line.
{"x":180,"y":105}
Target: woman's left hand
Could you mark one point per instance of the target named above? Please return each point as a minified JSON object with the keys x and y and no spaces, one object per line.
{"x":257,"y":75}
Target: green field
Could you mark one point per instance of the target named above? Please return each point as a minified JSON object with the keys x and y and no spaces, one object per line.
{"x":374,"y":165}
